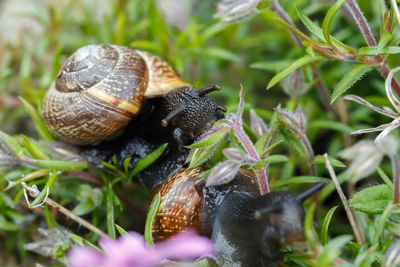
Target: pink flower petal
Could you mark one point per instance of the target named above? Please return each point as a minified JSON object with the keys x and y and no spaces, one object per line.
{"x":185,"y":245}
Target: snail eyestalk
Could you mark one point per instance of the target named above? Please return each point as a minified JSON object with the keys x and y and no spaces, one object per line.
{"x":221,"y":108}
{"x":259,"y":213}
{"x":207,"y":90}
{"x":172,"y":114}
{"x":308,"y":193}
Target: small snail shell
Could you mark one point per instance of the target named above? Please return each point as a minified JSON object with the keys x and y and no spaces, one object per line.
{"x":101,"y":87}
{"x":247,"y":228}
{"x":187,"y":203}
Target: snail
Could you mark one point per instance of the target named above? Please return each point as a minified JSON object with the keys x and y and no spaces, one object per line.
{"x":105,"y":91}
{"x":247,"y":229}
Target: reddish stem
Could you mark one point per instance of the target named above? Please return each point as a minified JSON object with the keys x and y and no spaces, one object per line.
{"x":248,"y":146}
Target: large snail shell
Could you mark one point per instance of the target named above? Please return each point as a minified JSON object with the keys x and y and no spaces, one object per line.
{"x":100,"y":88}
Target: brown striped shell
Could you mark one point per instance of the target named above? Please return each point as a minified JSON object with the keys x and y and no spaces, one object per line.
{"x":100,"y":88}
{"x":186,"y":202}
{"x":179,"y":205}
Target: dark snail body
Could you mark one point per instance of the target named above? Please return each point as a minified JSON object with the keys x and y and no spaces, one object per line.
{"x":247,"y":229}
{"x":103,"y":91}
{"x":242,"y":240}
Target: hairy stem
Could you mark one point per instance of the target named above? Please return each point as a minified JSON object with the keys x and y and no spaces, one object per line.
{"x":358,"y":17}
{"x":357,"y":232}
{"x":248,"y":146}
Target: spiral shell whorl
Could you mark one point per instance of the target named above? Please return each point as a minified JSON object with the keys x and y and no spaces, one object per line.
{"x":97,"y":91}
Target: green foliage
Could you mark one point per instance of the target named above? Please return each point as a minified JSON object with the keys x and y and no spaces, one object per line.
{"x":373,"y":199}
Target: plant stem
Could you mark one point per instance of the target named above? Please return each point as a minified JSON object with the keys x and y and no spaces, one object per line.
{"x":310,"y":154}
{"x":248,"y":146}
{"x":362,"y":24}
{"x":74,"y":217}
{"x":357,"y":232}
{"x":394,"y":158}
{"x":276,"y":7}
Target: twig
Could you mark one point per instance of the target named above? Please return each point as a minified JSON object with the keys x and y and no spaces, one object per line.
{"x":357,"y":232}
{"x":34,"y":192}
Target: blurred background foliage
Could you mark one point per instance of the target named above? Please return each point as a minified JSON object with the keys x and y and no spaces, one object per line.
{"x":37,"y":36}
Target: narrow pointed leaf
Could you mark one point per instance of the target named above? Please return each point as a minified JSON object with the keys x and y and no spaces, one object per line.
{"x":349,"y":79}
{"x":270,"y":159}
{"x":326,"y":25}
{"x":315,"y":29}
{"x":319,"y":159}
{"x":375,"y":50}
{"x":298,"y":180}
{"x":325,"y":225}
{"x":41,"y":127}
{"x":212,"y":139}
{"x":147,"y":160}
{"x":61,"y":165}
{"x":200,"y":155}
{"x":148,"y":235}
{"x":295,"y":65}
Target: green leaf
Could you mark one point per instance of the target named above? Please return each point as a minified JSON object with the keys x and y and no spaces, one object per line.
{"x":332,"y":250}
{"x":6,"y":225}
{"x":332,"y":125}
{"x":200,"y":155}
{"x":212,"y":139}
{"x":376,"y":50}
{"x":315,"y":29}
{"x":11,"y":145}
{"x":270,"y":65}
{"x":147,"y":160}
{"x":309,"y":229}
{"x":349,"y":79}
{"x":148,"y":235}
{"x":110,"y":210}
{"x":373,"y":199}
{"x":326,"y":25}
{"x":120,"y":230}
{"x":34,"y":148}
{"x":41,"y":127}
{"x":220,"y":53}
{"x":298,"y":180}
{"x":385,"y":178}
{"x":386,"y":38}
{"x":270,"y":159}
{"x":382,"y":222}
{"x":51,"y":222}
{"x":46,"y":190}
{"x":319,"y":159}
{"x":295,"y":65}
{"x":84,"y":207}
{"x":325,"y":225}
{"x":61,"y":165}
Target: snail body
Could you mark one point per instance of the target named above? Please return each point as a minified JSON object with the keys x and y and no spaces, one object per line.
{"x":100,"y":88}
{"x":247,"y":229}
